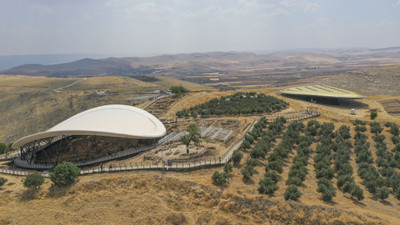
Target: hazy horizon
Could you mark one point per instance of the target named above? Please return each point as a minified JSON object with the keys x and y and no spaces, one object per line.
{"x":145,"y":28}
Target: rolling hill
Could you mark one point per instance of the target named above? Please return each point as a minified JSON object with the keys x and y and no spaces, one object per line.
{"x":188,"y":66}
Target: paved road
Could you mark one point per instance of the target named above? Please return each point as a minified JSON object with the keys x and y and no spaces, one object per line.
{"x":57,"y":90}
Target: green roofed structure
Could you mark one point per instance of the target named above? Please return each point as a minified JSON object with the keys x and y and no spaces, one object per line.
{"x":321,"y":91}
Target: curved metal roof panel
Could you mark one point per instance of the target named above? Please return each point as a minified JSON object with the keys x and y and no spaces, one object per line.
{"x":322,"y":91}
{"x":109,"y":120}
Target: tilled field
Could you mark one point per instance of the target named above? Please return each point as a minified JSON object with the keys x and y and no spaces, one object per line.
{"x":392,"y":106}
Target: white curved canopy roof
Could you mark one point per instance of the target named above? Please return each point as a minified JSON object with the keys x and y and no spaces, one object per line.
{"x":109,"y":120}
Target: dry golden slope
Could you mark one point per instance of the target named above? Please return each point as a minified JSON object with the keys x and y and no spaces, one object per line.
{"x":28,"y":104}
{"x":168,"y":82}
{"x":191,"y":198}
{"x":151,"y":198}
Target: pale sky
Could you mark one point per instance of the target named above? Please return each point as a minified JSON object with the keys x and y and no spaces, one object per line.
{"x":142,"y":27}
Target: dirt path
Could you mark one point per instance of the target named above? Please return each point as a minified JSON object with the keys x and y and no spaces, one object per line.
{"x":58,"y":90}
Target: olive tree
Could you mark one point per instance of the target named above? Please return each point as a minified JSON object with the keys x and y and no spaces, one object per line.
{"x":178,"y":89}
{"x":65,"y":174}
{"x":194,"y":135}
{"x":33,"y":181}
{"x":2,"y":181}
{"x":292,"y":193}
{"x":236,"y":157}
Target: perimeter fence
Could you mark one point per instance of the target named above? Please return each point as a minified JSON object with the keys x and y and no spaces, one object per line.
{"x":165,"y":166}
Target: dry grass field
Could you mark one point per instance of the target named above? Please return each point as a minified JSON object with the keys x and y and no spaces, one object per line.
{"x":29,"y":104}
{"x":176,"y":198}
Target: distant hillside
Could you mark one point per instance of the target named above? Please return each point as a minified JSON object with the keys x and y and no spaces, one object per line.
{"x":10,"y":61}
{"x":374,"y":81}
{"x":184,"y":66}
{"x":83,"y":67}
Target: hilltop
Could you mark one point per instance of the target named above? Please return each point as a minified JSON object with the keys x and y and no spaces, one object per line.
{"x":156,"y":197}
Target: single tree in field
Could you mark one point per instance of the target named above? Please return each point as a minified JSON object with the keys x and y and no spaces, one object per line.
{"x":178,"y":89}
{"x":2,"y":181}
{"x":236,"y":157}
{"x":193,"y":135}
{"x":374,"y":114}
{"x":65,"y":174}
{"x":228,"y":168}
{"x":5,"y":148}
{"x":33,"y":181}
{"x":220,"y":178}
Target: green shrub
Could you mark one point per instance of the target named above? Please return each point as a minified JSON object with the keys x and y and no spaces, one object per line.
{"x":292,"y":193}
{"x":343,"y":179}
{"x":276,"y":165}
{"x":357,"y":192}
{"x":379,"y":138}
{"x":359,"y":122}
{"x":298,"y":173}
{"x":247,"y":172}
{"x":246,"y":144}
{"x":395,"y":140}
{"x":371,"y":185}
{"x":257,"y":152}
{"x":249,"y":138}
{"x":326,"y":172}
{"x":374,"y":114}
{"x":397,"y":193}
{"x":388,"y":124}
{"x":282,"y":151}
{"x":273,"y":175}
{"x":236,"y":157}
{"x":2,"y":181}
{"x":228,"y":168}
{"x":220,"y":178}
{"x":65,"y":174}
{"x":294,"y":181}
{"x":375,"y":127}
{"x":348,"y":187}
{"x":252,"y":162}
{"x":360,"y":128}
{"x":394,"y":130}
{"x":33,"y":180}
{"x":383,"y":193}
{"x":345,"y":169}
{"x":177,"y":89}
{"x":328,"y":194}
{"x":326,"y":188}
{"x":312,"y":127}
{"x":267,"y":186}
{"x":344,"y":131}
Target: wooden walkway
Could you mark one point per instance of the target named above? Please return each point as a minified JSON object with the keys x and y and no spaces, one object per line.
{"x":174,"y":166}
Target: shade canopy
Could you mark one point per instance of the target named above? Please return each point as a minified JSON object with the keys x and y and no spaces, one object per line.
{"x":109,"y":120}
{"x":325,"y":91}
